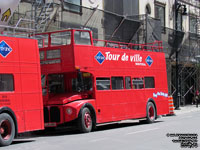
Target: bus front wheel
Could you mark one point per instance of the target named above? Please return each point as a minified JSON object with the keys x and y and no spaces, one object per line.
{"x":85,"y":121}
{"x":151,"y":112}
{"x":7,"y":129}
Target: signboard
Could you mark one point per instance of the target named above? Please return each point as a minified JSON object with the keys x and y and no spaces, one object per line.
{"x":7,"y":7}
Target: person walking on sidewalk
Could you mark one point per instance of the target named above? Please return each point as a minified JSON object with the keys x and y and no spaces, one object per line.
{"x":197,"y":98}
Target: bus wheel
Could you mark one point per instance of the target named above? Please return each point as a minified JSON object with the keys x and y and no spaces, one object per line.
{"x":7,"y":129}
{"x":151,"y":112}
{"x":85,"y":121}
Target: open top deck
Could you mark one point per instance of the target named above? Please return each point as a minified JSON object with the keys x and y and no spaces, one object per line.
{"x":64,"y":51}
{"x":84,"y":37}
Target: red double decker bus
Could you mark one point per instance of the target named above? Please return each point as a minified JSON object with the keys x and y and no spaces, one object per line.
{"x":90,"y":82}
{"x":21,"y":104}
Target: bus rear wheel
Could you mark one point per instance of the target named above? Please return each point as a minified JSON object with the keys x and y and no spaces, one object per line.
{"x":85,"y":121}
{"x":151,"y":112}
{"x":7,"y":129}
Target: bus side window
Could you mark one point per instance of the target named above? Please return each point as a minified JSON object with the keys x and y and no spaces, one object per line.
{"x":128,"y":82}
{"x":6,"y":82}
{"x":117,"y":83}
{"x":103,"y":83}
{"x":138,"y":83}
{"x":149,"y":82}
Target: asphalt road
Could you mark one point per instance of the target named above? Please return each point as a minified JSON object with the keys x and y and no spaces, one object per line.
{"x":130,"y":135}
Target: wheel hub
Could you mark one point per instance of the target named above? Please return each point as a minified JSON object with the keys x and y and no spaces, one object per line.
{"x":2,"y":131}
{"x":5,"y":129}
{"x":151,"y":113}
{"x":88,"y":120}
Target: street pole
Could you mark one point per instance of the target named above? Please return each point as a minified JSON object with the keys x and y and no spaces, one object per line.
{"x":177,"y":65}
{"x":177,"y":7}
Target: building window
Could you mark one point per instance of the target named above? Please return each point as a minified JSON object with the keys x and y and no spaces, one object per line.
{"x":72,"y":5}
{"x":160,"y":13}
{"x":117,"y":83}
{"x":148,"y":9}
{"x":193,"y":24}
{"x":179,"y":21}
{"x":6,"y":82}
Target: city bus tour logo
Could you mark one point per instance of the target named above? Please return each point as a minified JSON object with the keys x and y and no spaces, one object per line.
{"x":137,"y":59}
{"x":149,"y":60}
{"x":5,"y":49}
{"x":100,"y":57}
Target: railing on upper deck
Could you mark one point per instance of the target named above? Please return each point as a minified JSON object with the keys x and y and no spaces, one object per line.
{"x":154,"y":47}
{"x":63,"y":37}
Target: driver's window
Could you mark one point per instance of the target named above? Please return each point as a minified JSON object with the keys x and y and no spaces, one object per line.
{"x":74,"y":84}
{"x":87,"y":83}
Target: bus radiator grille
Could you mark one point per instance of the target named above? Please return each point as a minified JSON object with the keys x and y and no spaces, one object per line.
{"x":54,"y":114}
{"x":46,"y":115}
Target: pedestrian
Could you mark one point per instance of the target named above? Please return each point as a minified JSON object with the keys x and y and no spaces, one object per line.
{"x":197,"y":97}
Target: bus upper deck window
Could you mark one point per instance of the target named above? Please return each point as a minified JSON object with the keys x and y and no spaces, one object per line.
{"x":42,"y":40}
{"x":82,"y":38}
{"x":61,"y":38}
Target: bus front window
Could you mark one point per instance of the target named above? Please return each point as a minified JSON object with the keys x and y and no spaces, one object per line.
{"x":82,"y":38}
{"x":56,"y":83}
{"x":86,"y":83}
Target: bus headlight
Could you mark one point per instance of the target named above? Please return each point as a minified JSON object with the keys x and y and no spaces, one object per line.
{"x":69,"y":111}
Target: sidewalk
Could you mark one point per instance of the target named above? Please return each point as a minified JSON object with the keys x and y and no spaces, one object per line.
{"x":187,"y":109}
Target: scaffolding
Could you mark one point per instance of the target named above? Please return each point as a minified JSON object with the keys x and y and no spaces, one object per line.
{"x":40,"y":12}
{"x":188,"y":63}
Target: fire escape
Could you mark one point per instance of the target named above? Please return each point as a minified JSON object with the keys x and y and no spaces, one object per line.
{"x":44,"y":14}
{"x":39,"y":16}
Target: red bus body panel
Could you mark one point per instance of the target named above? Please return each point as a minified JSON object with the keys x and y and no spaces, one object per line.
{"x":109,"y":105}
{"x":26,"y":99}
{"x":128,"y":103}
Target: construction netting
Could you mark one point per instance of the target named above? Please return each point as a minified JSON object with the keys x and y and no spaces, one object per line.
{"x":105,"y":25}
{"x":187,"y":46}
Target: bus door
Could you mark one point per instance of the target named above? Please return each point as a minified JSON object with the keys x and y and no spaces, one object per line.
{"x":104,"y":100}
{"x":119,"y":98}
{"x":138,"y":96}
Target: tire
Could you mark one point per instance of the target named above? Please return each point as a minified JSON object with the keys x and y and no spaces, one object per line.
{"x":85,"y":121}
{"x":7,"y":129}
{"x":151,"y":112}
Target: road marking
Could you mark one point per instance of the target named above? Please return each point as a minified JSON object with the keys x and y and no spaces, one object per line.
{"x":96,"y":140}
{"x":142,"y":131}
{"x":188,"y":116}
{"x":183,"y":117}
